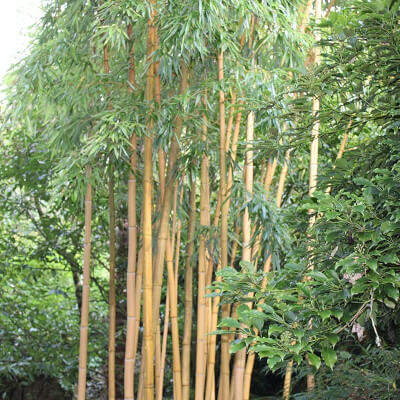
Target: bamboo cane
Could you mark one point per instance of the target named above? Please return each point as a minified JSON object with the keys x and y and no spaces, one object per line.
{"x":188,"y":313}
{"x":216,"y":300}
{"x":161,"y":165}
{"x":314,"y":151}
{"x":230,"y":122}
{"x":141,"y":377}
{"x":158,"y":266}
{"x":328,"y":10}
{"x":130,"y":353}
{"x":282,"y":178}
{"x":83,"y":341}
{"x":175,"y":229}
{"x":240,"y":357}
{"x":224,"y":225}
{"x":201,"y":303}
{"x":148,"y":342}
{"x":112,"y":302}
{"x":138,"y":294}
{"x":159,"y":394}
{"x":306,"y":14}
{"x":174,"y":323}
{"x":272,"y":163}
{"x":178,"y":243}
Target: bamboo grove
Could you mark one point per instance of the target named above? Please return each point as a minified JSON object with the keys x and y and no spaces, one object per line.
{"x":174,"y":127}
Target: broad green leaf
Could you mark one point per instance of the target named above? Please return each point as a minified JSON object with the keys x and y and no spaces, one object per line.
{"x":392,"y":292}
{"x":337,"y":313}
{"x":329,"y":356}
{"x":275,"y":329}
{"x":372,"y":264}
{"x":273,"y":361}
{"x":389,"y":303}
{"x":318,"y":275}
{"x":333,"y":339}
{"x":314,"y":360}
{"x":237,"y":345}
{"x":325,"y":314}
{"x":295,"y":348}
{"x":299,"y":333}
{"x":229,"y":322}
{"x":362,"y":181}
{"x":390,"y":258}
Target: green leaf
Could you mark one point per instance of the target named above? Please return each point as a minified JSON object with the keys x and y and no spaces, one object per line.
{"x":362,"y":182}
{"x":275,"y":329}
{"x":333,"y":339}
{"x":389,"y":303}
{"x":337,"y":313}
{"x":333,"y":235}
{"x":372,"y":264}
{"x":237,"y":345}
{"x":387,"y":226}
{"x":325,"y":314}
{"x":304,"y":289}
{"x":314,"y":360}
{"x":248,"y":266}
{"x":295,"y":348}
{"x":329,"y":356}
{"x":392,"y":292}
{"x":318,"y":275}
{"x":359,"y":208}
{"x":299,"y":333}
{"x":258,"y":323}
{"x":242,"y":310}
{"x":273,"y":361}
{"x":359,"y":288}
{"x":294,"y":267}
{"x":390,"y":258}
{"x":268,"y":309}
{"x":229,"y":322}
